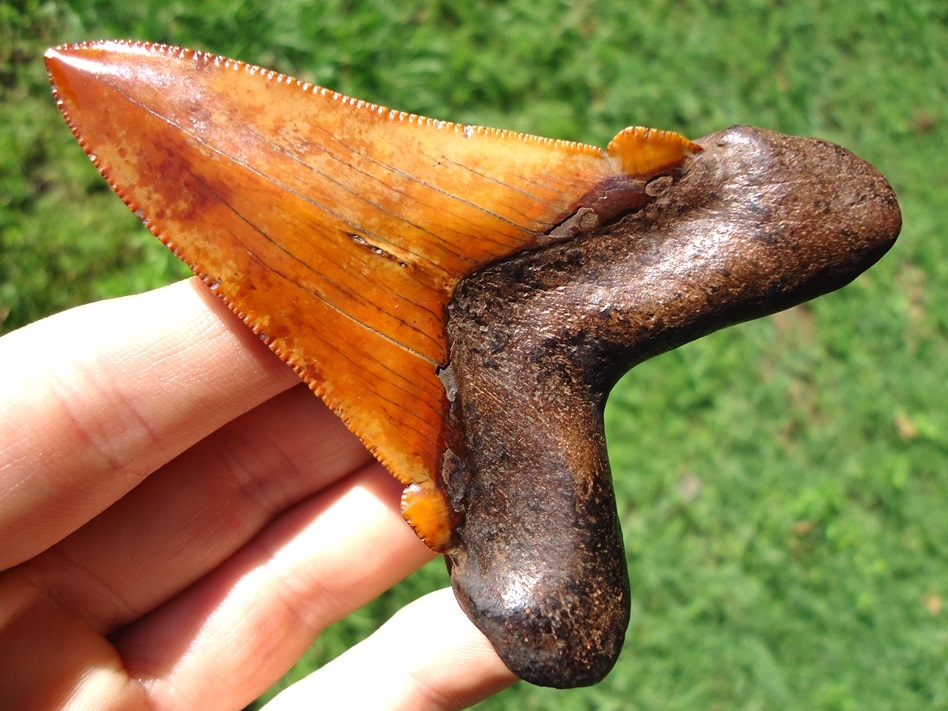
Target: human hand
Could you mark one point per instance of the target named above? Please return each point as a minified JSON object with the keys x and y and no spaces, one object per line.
{"x":180,"y":518}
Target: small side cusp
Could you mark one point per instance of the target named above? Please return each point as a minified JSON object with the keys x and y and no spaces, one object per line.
{"x":645,"y":152}
{"x":426,"y":508}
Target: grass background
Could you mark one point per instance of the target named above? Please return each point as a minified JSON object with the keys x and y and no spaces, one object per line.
{"x":782,"y":484}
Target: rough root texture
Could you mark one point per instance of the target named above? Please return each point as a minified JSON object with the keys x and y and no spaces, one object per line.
{"x":755,"y":223}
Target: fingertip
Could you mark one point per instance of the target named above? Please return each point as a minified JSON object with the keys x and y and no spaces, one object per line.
{"x":428,"y":657}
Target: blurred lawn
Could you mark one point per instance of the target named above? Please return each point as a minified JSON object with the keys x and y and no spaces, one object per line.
{"x":783,"y":484}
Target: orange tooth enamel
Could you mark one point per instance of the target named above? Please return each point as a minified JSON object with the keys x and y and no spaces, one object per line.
{"x":337,"y":229}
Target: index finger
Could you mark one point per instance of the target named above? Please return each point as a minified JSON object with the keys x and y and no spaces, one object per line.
{"x":97,"y":398}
